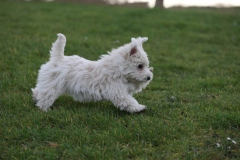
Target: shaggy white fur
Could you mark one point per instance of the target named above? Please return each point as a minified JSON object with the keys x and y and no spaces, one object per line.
{"x":115,"y":76}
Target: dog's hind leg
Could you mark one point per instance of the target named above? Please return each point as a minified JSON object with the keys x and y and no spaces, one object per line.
{"x":44,"y":100}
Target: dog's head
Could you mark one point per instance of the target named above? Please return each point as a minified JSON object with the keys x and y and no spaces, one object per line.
{"x":136,"y":68}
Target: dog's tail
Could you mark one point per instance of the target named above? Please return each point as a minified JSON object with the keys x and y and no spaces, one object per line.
{"x":57,"y":50}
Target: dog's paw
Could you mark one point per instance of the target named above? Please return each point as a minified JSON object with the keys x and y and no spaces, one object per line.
{"x":137,"y":109}
{"x":140,"y":108}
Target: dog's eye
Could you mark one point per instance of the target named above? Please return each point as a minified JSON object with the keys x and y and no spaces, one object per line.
{"x":140,"y":66}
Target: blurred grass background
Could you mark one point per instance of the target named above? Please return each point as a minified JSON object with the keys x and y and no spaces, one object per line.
{"x":193,"y":100}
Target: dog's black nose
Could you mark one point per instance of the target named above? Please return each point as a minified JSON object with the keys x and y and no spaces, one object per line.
{"x":148,"y":78}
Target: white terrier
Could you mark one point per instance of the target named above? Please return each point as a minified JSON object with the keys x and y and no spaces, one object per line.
{"x":115,"y":77}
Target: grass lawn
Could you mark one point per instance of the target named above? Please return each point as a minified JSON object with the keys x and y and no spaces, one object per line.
{"x":193,"y":101}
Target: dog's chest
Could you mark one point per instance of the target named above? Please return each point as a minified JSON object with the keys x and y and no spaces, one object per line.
{"x":132,"y":88}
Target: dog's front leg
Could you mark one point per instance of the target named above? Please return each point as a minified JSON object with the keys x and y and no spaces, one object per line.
{"x":127,"y":103}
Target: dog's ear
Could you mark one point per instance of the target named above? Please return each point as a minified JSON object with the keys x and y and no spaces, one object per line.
{"x":133,"y":40}
{"x":151,"y":69}
{"x":133,"y":50}
{"x":134,"y":46}
{"x":144,"y":39}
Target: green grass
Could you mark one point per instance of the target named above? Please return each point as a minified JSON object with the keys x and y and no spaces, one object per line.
{"x":193,"y":101}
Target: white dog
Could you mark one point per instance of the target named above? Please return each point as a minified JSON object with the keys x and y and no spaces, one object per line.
{"x":114,"y":77}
